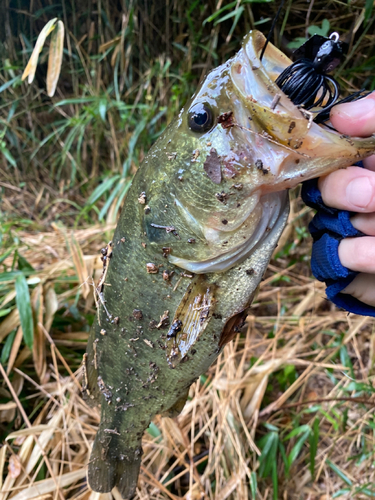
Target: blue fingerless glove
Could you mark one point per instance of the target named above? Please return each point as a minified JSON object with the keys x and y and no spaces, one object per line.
{"x":328,"y":227}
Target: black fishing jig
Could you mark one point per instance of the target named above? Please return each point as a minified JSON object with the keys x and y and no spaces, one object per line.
{"x":306,"y":81}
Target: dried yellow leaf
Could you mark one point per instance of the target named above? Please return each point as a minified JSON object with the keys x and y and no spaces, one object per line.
{"x":33,"y":61}
{"x":39,"y":348}
{"x":48,"y":485}
{"x":36,"y":429}
{"x":14,"y":466}
{"x":10,"y":323}
{"x":2,"y":463}
{"x":79,"y":263}
{"x":51,"y":305}
{"x":8,"y":406}
{"x":14,"y":350}
{"x":55,"y":58}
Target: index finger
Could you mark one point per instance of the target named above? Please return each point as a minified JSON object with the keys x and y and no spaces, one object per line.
{"x":355,"y":118}
{"x":350,"y":189}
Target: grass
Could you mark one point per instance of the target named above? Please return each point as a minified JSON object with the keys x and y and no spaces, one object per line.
{"x":287,"y":410}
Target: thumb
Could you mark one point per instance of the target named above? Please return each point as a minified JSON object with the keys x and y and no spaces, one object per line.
{"x":355,"y":118}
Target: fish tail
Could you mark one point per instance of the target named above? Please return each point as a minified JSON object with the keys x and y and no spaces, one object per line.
{"x":114,"y":465}
{"x":102,"y":469}
{"x":128,"y":471}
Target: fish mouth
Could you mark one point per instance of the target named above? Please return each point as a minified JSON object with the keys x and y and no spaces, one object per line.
{"x":270,"y":109}
{"x":281,"y":140}
{"x":286,"y":127}
{"x":255,"y":78}
{"x":298,"y":147}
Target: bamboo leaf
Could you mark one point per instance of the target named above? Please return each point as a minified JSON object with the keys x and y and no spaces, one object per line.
{"x":299,"y":430}
{"x":298,"y":447}
{"x":101,"y":189}
{"x":339,"y":472}
{"x":7,"y":154}
{"x":102,"y":109}
{"x":218,"y":12}
{"x":253,"y":485}
{"x":4,"y":312}
{"x":7,"y":347}
{"x":24,"y":308}
{"x":235,"y":13}
{"x":33,"y":61}
{"x":314,"y":439}
{"x":153,"y":430}
{"x":9,"y":83}
{"x":55,"y":58}
{"x":77,"y":100}
{"x":368,"y":9}
{"x":268,"y":445}
{"x":110,"y":199}
{"x":122,"y":196}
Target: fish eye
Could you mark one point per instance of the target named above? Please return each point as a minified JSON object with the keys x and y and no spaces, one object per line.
{"x":200,"y":118}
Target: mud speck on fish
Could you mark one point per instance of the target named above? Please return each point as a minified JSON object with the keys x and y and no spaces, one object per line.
{"x":142,"y":198}
{"x":164,"y":320}
{"x":137,"y":314}
{"x":226,"y":119}
{"x":166,"y":251}
{"x":212,"y":166}
{"x":222,"y":197}
{"x":259,"y":166}
{"x":152,"y":268}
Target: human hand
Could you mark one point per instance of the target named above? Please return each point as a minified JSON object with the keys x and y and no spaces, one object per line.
{"x":353,"y":189}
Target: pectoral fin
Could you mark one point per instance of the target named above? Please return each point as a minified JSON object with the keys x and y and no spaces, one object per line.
{"x":190,"y":320}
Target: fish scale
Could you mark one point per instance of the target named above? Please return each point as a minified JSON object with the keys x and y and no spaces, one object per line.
{"x":153,"y":337}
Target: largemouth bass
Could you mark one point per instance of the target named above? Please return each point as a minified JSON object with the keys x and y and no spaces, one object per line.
{"x":199,"y":225}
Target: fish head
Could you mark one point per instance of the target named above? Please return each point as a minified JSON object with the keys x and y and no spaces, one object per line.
{"x":229,"y":158}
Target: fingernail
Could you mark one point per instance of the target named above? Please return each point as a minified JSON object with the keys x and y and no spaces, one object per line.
{"x":359,"y":192}
{"x":354,"y":110}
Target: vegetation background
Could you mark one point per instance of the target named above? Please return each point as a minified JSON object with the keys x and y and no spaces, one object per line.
{"x":288,"y":409}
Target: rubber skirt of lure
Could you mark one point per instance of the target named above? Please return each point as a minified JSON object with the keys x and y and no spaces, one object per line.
{"x":323,"y":116}
{"x":306,"y":87}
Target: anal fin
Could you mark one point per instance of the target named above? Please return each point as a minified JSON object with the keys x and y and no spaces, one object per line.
{"x":177,"y":408}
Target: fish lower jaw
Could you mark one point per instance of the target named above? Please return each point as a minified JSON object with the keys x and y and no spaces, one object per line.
{"x":273,"y":205}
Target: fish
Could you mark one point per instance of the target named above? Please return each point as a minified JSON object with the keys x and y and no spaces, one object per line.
{"x":199,"y":225}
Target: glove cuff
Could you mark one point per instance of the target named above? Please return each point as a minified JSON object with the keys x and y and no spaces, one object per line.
{"x":328,"y":227}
